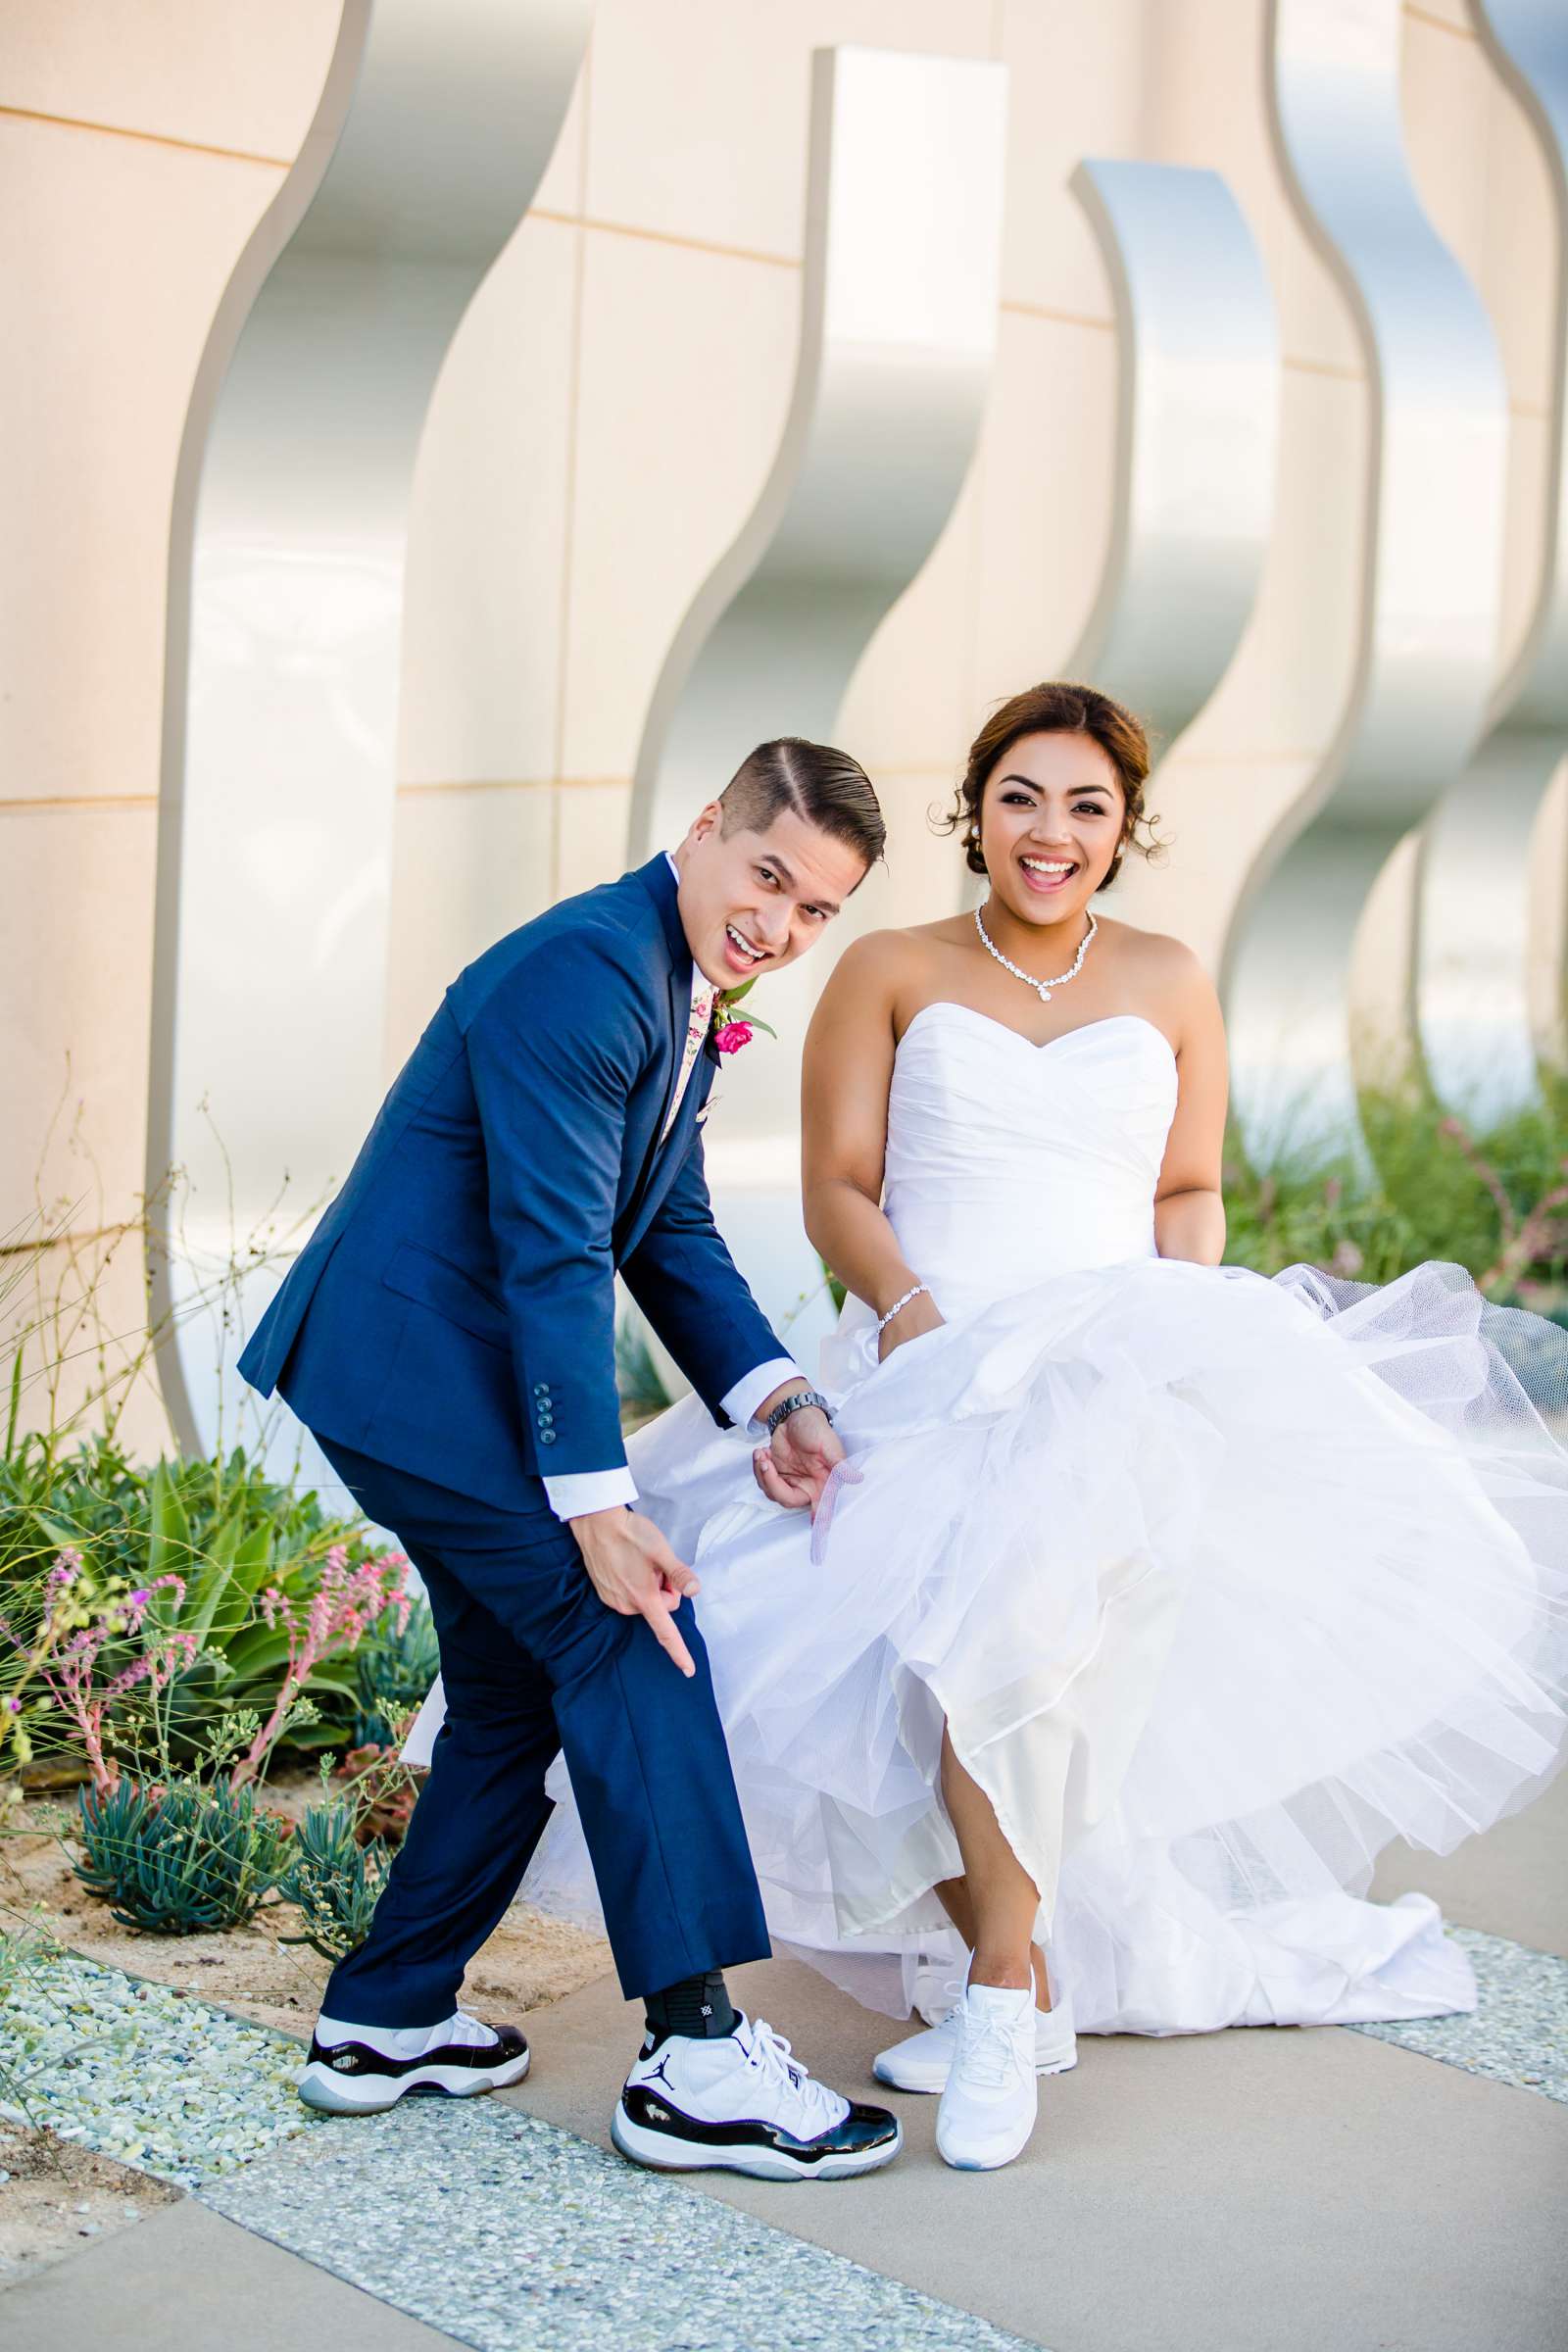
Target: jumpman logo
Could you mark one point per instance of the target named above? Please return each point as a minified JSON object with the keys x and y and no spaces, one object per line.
{"x":658,"y":2075}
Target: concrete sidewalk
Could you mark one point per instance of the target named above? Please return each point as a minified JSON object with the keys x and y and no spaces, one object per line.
{"x":1253,"y":2191}
{"x":1278,"y":2191}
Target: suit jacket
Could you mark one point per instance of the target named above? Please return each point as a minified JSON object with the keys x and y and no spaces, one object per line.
{"x":453,"y":1311}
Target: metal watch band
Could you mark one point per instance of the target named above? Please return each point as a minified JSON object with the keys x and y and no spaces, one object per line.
{"x":795,"y":1404}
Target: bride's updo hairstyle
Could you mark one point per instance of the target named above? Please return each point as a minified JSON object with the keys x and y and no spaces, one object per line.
{"x":1058,"y":709}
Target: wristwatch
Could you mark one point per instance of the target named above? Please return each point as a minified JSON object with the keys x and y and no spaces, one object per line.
{"x":794,"y":1405}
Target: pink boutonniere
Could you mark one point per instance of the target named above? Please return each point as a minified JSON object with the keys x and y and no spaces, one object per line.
{"x":731,"y":1029}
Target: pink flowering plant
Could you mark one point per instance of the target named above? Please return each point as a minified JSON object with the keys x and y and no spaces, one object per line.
{"x":350,"y":1597}
{"x":193,"y":1615}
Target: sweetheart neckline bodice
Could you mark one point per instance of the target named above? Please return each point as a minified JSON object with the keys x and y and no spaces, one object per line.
{"x":1044,"y":1044}
{"x":992,"y":1181}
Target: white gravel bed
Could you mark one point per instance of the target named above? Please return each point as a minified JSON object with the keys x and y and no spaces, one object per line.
{"x":512,"y":2235}
{"x":143,"y":2072}
{"x":1518,"y":2034}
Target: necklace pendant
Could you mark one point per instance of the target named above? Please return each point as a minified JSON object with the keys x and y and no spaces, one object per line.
{"x":1045,"y":994}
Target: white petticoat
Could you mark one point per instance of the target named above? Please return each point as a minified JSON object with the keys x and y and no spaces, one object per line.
{"x":1220,"y":1583}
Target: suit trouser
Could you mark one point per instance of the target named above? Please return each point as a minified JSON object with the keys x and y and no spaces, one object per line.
{"x":534,"y":1663}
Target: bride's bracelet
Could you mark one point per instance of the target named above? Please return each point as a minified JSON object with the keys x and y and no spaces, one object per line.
{"x":898,"y":1304}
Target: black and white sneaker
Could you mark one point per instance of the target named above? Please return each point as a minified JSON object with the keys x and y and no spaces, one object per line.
{"x":743,"y":2104}
{"x":347,"y":2074}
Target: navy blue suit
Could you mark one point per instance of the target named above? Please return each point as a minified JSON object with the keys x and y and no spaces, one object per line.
{"x":448,"y":1336}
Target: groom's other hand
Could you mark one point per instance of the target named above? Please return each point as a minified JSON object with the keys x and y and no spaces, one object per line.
{"x":634,"y":1571}
{"x":803,"y":1453}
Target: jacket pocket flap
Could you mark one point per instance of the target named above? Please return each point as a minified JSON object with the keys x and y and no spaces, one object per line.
{"x":417,"y":1273}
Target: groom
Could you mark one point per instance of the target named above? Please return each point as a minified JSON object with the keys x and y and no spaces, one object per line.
{"x":448,"y":1334}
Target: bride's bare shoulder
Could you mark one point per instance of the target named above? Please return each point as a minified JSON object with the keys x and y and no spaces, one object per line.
{"x":1155,"y":955}
{"x":1164,"y":973}
{"x":884,"y":961}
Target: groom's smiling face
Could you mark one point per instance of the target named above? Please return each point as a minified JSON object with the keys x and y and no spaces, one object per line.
{"x":752,"y":901}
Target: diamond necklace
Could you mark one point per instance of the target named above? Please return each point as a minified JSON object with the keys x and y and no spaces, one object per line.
{"x":1042,"y":988}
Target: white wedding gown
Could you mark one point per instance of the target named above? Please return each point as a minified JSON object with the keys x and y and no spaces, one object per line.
{"x":1222,"y":1582}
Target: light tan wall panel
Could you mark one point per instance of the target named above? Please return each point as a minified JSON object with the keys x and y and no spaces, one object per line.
{"x":1450,"y":15}
{"x":487,"y":527}
{"x":1045,"y":472}
{"x":470,"y":864}
{"x":75,"y":984}
{"x":686,"y":361}
{"x":1517,"y":253}
{"x":698,"y":113}
{"x":591,"y":821}
{"x":81,"y":1309}
{"x":229,"y":73}
{"x":909,"y":702}
{"x":1076,"y":78}
{"x":114,"y":253}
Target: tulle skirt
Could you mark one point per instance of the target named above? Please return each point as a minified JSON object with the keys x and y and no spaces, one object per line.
{"x":1218,"y":1583}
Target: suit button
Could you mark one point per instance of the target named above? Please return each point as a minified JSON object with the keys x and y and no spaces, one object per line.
{"x":546,"y":1437}
{"x":541,"y":1387}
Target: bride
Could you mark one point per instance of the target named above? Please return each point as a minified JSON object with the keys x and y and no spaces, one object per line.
{"x":1155,"y":1597}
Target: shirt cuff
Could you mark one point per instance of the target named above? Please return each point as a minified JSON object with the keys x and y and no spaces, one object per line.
{"x":591,"y":1491}
{"x":742,"y":1401}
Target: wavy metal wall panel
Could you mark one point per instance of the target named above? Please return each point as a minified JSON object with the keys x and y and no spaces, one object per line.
{"x":285,"y":599}
{"x":1197,"y":437}
{"x":1473,"y":922}
{"x":897,"y":328}
{"x":1431,"y":571}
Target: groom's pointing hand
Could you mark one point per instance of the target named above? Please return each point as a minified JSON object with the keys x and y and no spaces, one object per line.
{"x":634,"y":1571}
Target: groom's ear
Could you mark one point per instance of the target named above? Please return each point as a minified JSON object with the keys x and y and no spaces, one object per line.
{"x":707,"y":820}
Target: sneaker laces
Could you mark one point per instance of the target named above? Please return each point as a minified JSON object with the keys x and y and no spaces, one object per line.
{"x":769,"y":2055}
{"x":470,"y":2032}
{"x":987,"y":2052}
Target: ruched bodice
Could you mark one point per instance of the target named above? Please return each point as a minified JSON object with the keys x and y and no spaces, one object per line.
{"x":1008,"y":1163}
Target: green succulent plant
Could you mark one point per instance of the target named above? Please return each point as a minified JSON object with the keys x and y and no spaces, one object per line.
{"x":184,"y":1860}
{"x":335,"y":1880}
{"x":393,"y":1672}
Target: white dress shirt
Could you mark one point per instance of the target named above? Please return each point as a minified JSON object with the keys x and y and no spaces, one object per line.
{"x":581,"y":1491}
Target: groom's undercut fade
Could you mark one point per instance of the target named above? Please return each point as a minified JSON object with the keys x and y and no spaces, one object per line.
{"x":822,"y":785}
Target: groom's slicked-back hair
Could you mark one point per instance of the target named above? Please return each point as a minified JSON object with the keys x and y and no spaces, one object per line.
{"x":820,"y":784}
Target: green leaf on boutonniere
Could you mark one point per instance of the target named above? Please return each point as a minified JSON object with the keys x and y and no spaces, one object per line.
{"x":726,"y":1007}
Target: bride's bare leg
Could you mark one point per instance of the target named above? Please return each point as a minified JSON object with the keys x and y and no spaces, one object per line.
{"x":994,"y":1905}
{"x":954,"y":1896}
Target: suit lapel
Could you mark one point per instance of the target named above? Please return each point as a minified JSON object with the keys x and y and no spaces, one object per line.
{"x":658,"y":880}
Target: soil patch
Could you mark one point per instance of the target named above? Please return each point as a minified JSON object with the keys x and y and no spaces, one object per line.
{"x":56,"y":2198}
{"x":530,"y":1961}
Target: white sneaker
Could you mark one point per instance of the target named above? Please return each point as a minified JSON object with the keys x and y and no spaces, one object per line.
{"x":360,"y":2069}
{"x":742,"y":2103}
{"x":988,"y":2108}
{"x":924,"y":2061}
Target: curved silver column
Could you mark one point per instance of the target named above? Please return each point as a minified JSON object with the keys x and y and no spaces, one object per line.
{"x":1473,"y":910}
{"x":897,"y":328}
{"x":1197,"y":437}
{"x":899,"y":308}
{"x":285,"y":598}
{"x":1431,"y":572}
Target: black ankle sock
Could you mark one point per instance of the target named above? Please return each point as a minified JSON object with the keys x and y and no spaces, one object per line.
{"x":698,"y":2006}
